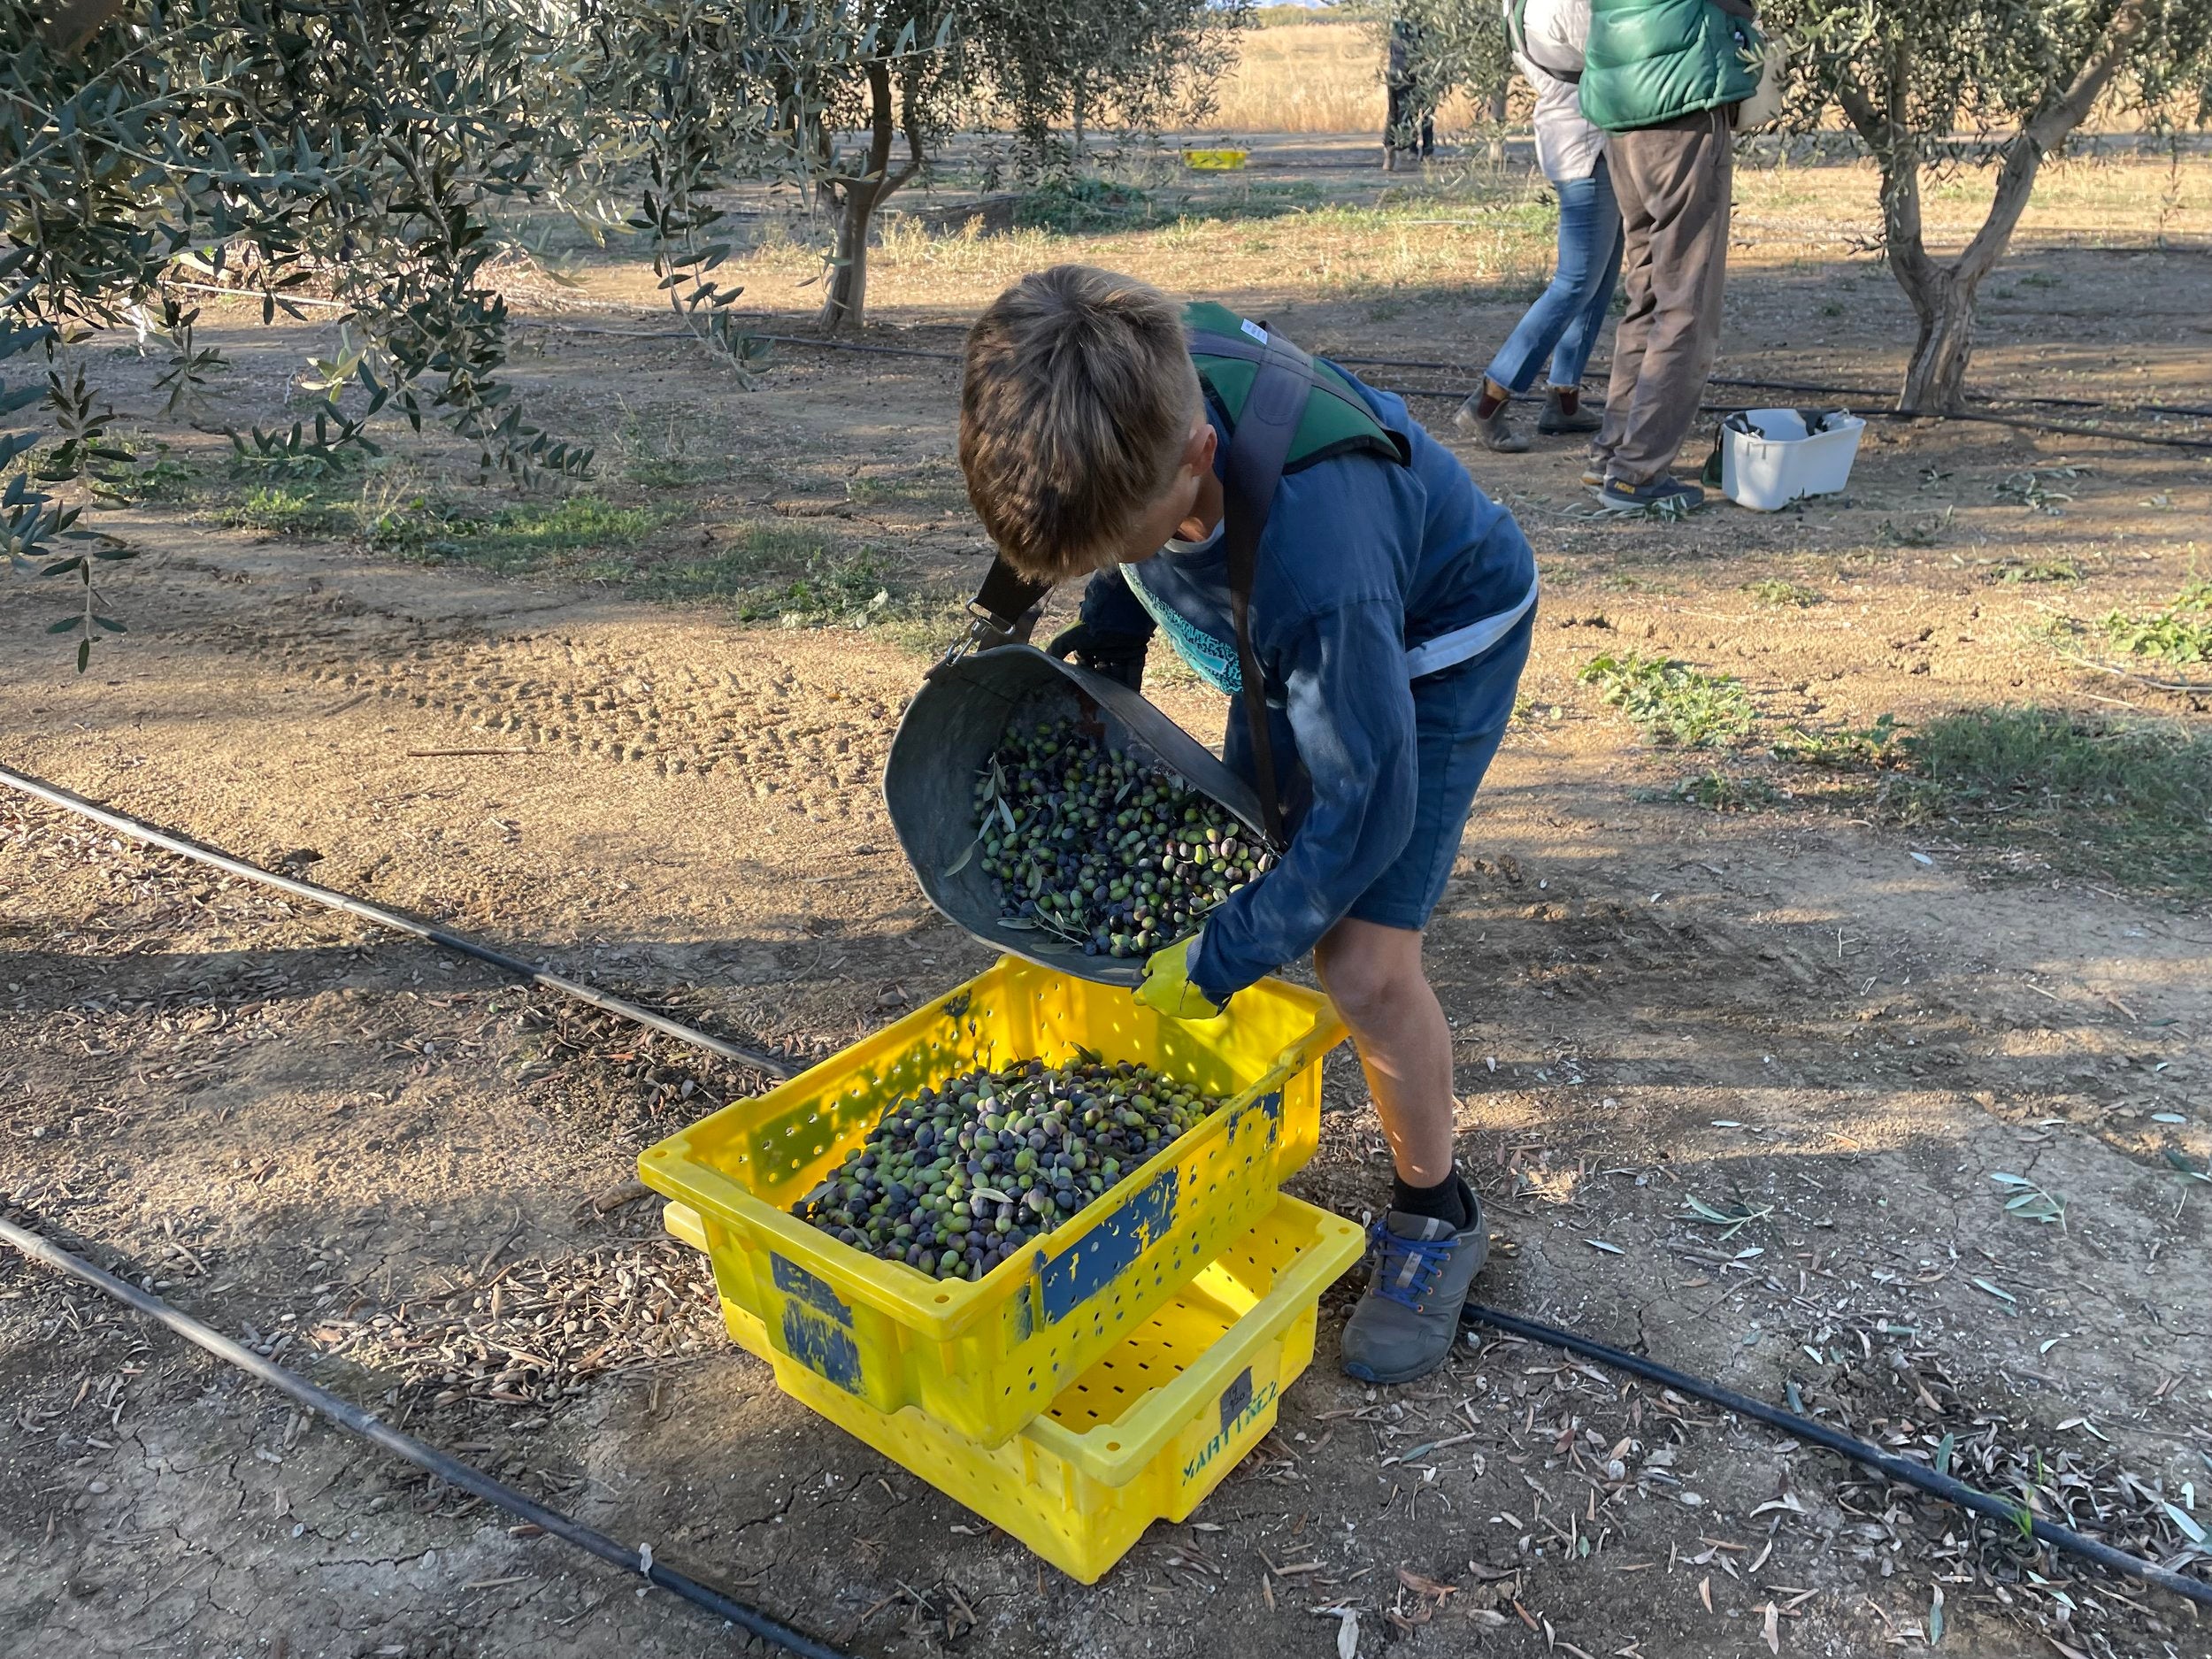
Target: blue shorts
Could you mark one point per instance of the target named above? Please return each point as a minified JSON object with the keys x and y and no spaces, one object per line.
{"x":1459,"y":718}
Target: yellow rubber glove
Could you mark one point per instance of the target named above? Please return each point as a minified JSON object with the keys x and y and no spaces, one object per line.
{"x":1167,"y":985}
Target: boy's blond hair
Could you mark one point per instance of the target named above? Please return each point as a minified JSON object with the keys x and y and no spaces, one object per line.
{"x":1078,"y":399}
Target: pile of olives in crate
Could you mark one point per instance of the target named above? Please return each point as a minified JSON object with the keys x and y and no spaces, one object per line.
{"x":959,"y":1178}
{"x":1108,"y":852}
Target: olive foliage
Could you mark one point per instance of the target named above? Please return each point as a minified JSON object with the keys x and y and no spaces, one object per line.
{"x":364,"y":160}
{"x":352,"y":155}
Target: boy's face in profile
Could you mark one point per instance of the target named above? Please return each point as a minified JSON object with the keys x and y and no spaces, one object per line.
{"x":1174,"y":515}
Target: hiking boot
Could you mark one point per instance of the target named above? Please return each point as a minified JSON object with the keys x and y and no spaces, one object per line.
{"x":1492,"y":431}
{"x":1661,"y":496}
{"x":1406,"y":1323}
{"x":1563,"y":413}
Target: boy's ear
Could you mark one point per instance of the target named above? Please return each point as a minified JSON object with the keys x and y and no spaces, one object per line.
{"x":1198,"y":454}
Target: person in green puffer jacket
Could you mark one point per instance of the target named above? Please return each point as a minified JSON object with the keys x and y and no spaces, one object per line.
{"x":1663,"y":78}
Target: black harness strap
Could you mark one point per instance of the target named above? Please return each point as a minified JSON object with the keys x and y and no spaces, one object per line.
{"x":1007,"y":597}
{"x":1258,"y":447}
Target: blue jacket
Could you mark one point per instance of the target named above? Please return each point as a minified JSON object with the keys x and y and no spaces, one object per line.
{"x":1362,"y":560}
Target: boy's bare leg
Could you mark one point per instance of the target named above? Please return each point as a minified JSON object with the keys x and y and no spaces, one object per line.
{"x":1373,"y":974}
{"x":1431,"y":1241}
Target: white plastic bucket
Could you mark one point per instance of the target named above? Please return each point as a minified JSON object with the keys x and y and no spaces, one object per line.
{"x":1781,"y":463}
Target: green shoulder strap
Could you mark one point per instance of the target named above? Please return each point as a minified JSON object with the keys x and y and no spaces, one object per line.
{"x":1228,"y":351}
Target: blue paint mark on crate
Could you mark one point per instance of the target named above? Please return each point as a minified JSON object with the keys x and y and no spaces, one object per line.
{"x":1241,"y":1407}
{"x":826,"y":1349}
{"x":1105,"y":1253}
{"x":801,"y":1286}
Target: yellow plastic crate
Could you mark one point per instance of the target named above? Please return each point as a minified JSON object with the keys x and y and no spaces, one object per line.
{"x":1146,"y":1432}
{"x":1215,"y":160}
{"x":984,"y":1357}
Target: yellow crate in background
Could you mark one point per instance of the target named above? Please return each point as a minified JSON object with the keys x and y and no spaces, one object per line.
{"x":984,"y":1357}
{"x":1146,"y":1432}
{"x":1215,"y":160}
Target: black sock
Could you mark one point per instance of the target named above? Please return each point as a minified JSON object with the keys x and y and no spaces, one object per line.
{"x":1449,"y":1201}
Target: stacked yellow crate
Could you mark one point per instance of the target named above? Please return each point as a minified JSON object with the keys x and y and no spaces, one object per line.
{"x":1113,"y":1372}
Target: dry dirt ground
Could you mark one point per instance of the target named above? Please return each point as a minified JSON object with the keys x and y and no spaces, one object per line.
{"x":380,"y":1162}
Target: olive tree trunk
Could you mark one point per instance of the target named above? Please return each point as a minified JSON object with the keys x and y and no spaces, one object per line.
{"x":1944,"y":294}
{"x":857,"y":196}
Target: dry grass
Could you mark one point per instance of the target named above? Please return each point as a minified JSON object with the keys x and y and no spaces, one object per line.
{"x":1321,"y":252}
{"x":1469,"y":233}
{"x":1312,"y":78}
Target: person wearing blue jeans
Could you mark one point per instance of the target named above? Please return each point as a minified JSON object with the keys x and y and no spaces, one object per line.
{"x":1563,"y":326}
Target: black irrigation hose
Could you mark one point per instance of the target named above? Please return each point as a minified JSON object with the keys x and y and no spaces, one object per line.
{"x":2023,"y":423}
{"x":1899,"y":1469}
{"x":1831,"y":391}
{"x":140,"y":830}
{"x":470,"y":1480}
{"x":2105,"y":406}
{"x":754,"y":1622}
{"x":2062,"y":428}
{"x":820,"y":344}
{"x":750,"y":1619}
{"x":857,"y":345}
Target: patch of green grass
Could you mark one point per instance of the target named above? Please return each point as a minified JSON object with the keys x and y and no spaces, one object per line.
{"x":2038,"y":570}
{"x":775,"y":573}
{"x":1841,"y":748}
{"x":1923,"y":530}
{"x":1069,"y":205}
{"x":2036,"y":488}
{"x":1774,"y":591}
{"x":932,"y":484}
{"x":1719,"y":792}
{"x":295,"y":510}
{"x":165,"y":478}
{"x":2131,"y":800}
{"x":1671,"y":702}
{"x":664,"y":459}
{"x":2180,"y":632}
{"x":514,"y":539}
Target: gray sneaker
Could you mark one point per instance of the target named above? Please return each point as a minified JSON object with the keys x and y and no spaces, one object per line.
{"x":1406,"y":1323}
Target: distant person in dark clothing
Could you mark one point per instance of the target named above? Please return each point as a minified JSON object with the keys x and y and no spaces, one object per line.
{"x":1401,"y":81}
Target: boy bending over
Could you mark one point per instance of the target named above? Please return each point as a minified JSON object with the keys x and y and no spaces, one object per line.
{"x":1390,"y":606}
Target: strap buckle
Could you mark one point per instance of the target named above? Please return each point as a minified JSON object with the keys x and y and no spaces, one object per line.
{"x":1005,"y":609}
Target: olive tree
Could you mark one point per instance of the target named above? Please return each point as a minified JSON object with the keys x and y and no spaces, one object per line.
{"x":1438,"y":47}
{"x":914,"y":71}
{"x":1931,"y":86}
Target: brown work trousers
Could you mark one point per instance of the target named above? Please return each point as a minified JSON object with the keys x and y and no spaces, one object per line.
{"x":1673,"y":184}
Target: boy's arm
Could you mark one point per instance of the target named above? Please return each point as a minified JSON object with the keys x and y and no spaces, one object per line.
{"x":1351,"y":711}
{"x":1111,"y":609}
{"x":1112,"y":633}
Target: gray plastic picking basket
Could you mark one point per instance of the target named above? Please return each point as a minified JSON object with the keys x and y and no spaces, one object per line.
{"x":947,"y":736}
